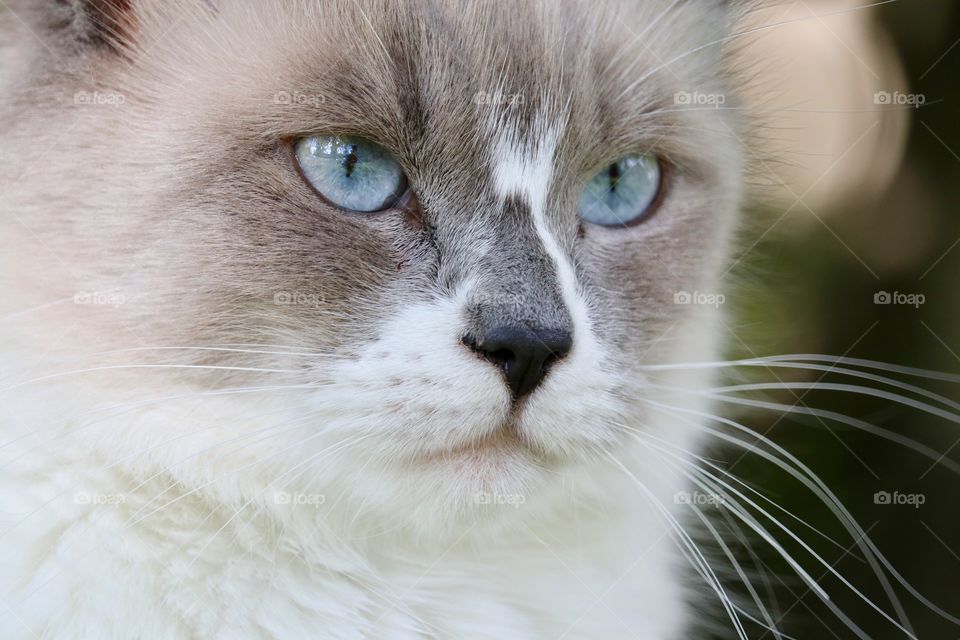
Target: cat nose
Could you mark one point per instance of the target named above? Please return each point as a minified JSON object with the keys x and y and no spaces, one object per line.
{"x":523,"y":354}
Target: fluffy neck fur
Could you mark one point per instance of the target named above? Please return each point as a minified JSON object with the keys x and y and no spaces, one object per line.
{"x":255,"y":492}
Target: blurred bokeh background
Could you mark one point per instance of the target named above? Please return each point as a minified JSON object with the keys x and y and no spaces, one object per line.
{"x":859,"y":173}
{"x":857,"y":176}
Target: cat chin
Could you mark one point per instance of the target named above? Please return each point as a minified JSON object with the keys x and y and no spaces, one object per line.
{"x":462,"y":496}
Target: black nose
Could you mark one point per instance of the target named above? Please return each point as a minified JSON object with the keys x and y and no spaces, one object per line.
{"x":523,"y":354}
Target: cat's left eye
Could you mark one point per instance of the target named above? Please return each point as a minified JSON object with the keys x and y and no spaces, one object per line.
{"x":351,"y":173}
{"x":623,"y":193}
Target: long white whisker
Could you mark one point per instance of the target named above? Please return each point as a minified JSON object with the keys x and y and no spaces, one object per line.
{"x":62,"y":374}
{"x":770,"y":624}
{"x":214,"y":480}
{"x":849,"y":388}
{"x":829,"y":499}
{"x":794,"y":359}
{"x":809,"y":479}
{"x":811,"y":583}
{"x":347,"y":442}
{"x":759,"y":566}
{"x":855,"y":373}
{"x":266,"y":350}
{"x":743,"y":445}
{"x":697,"y":558}
{"x":641,"y":437}
{"x":886,"y":434}
{"x":284,"y":429}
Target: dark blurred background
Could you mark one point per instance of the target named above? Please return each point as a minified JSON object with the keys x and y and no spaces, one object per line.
{"x":879,"y":185}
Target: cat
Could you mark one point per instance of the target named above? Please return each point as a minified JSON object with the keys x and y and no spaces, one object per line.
{"x":246,"y":398}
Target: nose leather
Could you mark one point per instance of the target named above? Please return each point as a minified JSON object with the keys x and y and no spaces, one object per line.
{"x":523,"y":354}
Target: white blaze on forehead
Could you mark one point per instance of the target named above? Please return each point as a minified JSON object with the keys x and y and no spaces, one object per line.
{"x":524,"y":169}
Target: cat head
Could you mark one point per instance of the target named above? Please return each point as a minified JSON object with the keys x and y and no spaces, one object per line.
{"x":543,"y":193}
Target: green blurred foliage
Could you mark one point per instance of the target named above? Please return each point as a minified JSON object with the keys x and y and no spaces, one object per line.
{"x":807,"y":291}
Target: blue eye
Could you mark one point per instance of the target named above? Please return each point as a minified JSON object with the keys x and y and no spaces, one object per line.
{"x":352,"y":173}
{"x":623,"y":192}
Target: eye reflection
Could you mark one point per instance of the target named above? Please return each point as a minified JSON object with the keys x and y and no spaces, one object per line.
{"x":623,"y":192}
{"x":351,"y":173}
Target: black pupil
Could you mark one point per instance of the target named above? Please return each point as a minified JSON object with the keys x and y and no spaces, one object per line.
{"x":614,"y":176}
{"x":351,"y":160}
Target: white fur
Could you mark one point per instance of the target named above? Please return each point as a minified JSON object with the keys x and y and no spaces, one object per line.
{"x":388,"y":552}
{"x":188,"y":567}
{"x":156,"y":504}
{"x":526,"y":169}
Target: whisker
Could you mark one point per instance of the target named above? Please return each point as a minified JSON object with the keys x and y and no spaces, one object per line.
{"x":811,"y":583}
{"x":61,"y":374}
{"x":825,"y":414}
{"x":642,"y":437}
{"x":848,"y":388}
{"x":129,"y":407}
{"x":791,"y":360}
{"x":265,"y":350}
{"x":39,"y":307}
{"x":828,"y":498}
{"x":759,"y":566}
{"x":218,"y":478}
{"x":770,"y":624}
{"x":310,"y":460}
{"x":162,"y":471}
{"x":751,"y":448}
{"x":863,"y":375}
{"x":695,"y":554}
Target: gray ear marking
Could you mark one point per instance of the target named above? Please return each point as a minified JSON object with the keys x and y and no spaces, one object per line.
{"x":105,"y":22}
{"x":82,"y":24}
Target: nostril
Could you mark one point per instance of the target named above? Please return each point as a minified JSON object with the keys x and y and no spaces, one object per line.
{"x":498,"y":357}
{"x":524,"y":355}
{"x":502,"y":356}
{"x":469,"y":341}
{"x":550,"y":359}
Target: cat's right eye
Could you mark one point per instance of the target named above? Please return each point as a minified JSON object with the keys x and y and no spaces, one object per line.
{"x":351,"y":173}
{"x":623,"y":193}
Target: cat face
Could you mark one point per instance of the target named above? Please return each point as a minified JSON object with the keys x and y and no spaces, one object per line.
{"x":186,"y":196}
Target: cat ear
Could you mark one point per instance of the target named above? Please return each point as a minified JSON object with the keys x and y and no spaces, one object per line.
{"x":80,"y":24}
{"x":109,"y":23}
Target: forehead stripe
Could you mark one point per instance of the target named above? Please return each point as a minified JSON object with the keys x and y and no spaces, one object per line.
{"x":526,"y":171}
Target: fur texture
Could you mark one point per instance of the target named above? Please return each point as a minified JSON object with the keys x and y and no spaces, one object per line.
{"x":233,"y":411}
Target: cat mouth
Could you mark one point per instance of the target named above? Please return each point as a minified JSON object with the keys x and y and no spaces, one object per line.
{"x":503,"y":444}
